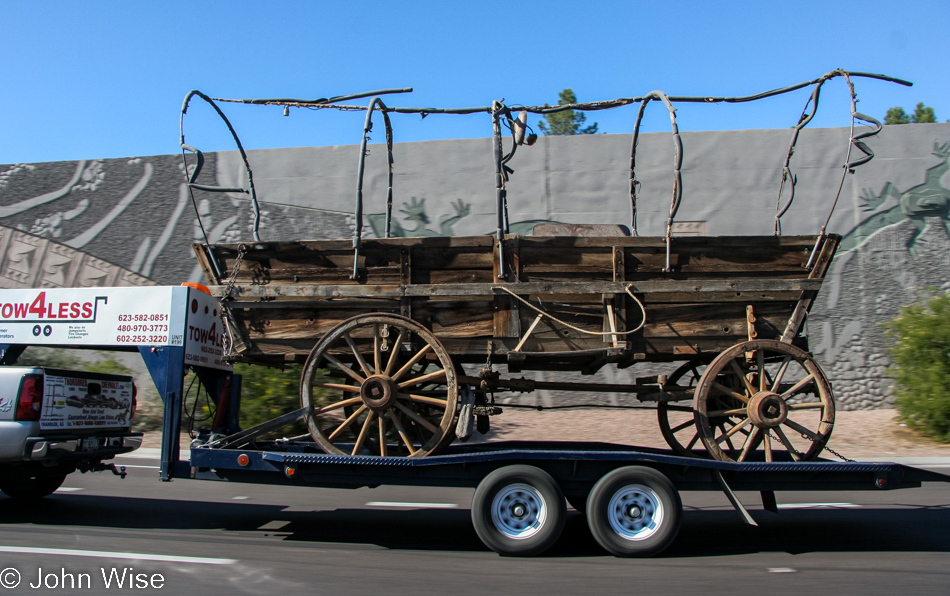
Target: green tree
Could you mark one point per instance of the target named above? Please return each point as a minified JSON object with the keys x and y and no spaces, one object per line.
{"x":922,"y":115}
{"x":921,"y":369}
{"x":566,"y":122}
{"x":896,"y":115}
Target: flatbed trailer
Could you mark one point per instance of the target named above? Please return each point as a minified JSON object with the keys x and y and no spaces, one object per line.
{"x":630,"y":495}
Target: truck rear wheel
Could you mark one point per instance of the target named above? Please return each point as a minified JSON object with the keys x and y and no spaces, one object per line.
{"x":634,"y":512}
{"x":518,"y":511}
{"x":30,"y":489}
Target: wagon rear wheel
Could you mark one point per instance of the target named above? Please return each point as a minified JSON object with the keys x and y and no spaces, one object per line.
{"x":676,"y":419}
{"x":764,"y":400}
{"x":371,"y":393}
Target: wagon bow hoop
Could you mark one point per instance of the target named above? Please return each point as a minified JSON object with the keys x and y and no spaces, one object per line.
{"x":358,"y":212}
{"x":677,"y":167}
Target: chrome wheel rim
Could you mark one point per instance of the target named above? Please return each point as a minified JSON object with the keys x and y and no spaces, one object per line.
{"x":635,"y":512}
{"x":518,"y":511}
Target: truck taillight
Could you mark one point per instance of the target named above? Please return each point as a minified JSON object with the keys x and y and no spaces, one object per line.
{"x":135,"y":402}
{"x":31,"y":398}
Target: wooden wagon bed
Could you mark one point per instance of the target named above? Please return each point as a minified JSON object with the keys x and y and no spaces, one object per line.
{"x":283,"y":297}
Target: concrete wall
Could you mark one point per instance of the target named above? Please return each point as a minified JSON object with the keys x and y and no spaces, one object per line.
{"x":136,"y":214}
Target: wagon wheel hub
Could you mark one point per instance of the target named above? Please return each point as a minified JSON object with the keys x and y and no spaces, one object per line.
{"x":767,"y":409}
{"x":378,"y":392}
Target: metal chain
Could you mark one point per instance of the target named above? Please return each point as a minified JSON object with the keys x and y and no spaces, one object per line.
{"x":838,"y":455}
{"x":826,"y":447}
{"x":229,"y":284}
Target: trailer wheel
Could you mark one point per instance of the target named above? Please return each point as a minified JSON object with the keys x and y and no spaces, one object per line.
{"x":518,"y":511}
{"x":30,"y":489}
{"x":634,"y":512}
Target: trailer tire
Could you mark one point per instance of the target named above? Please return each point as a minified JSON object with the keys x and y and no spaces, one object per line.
{"x":634,"y":512}
{"x":30,"y":489}
{"x":518,"y":511}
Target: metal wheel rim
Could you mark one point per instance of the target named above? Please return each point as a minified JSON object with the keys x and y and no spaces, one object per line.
{"x":635,"y":527}
{"x":504,"y":512}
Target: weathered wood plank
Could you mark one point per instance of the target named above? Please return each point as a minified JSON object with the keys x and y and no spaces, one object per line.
{"x":522,"y":289}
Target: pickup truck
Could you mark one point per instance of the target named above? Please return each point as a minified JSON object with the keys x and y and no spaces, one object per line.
{"x":54,"y":422}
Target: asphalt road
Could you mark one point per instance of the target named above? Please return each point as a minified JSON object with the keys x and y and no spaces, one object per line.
{"x":209,"y":538}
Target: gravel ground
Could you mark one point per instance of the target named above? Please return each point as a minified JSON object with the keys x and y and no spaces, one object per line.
{"x":856,"y":434}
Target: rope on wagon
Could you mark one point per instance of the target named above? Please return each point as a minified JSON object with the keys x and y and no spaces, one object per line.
{"x":544,"y":313}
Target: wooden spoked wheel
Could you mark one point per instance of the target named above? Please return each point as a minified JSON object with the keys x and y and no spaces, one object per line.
{"x":764,"y":400}
{"x":380,"y":385}
{"x":676,"y":419}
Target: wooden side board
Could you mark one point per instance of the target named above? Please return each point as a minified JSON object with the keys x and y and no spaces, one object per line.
{"x":284,"y":296}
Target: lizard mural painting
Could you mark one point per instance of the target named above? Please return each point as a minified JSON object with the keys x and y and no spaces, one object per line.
{"x":886,"y":261}
{"x":414,"y":212}
{"x":918,"y":205}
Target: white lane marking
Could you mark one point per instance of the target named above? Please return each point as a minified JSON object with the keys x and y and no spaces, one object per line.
{"x":67,"y":489}
{"x":114,"y":555}
{"x":274,"y":525}
{"x":818,"y":506}
{"x":240,"y":498}
{"x":782,"y":570}
{"x":150,"y":467}
{"x":412,"y":505}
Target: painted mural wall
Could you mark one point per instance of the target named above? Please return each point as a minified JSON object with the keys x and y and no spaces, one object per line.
{"x":132,"y":221}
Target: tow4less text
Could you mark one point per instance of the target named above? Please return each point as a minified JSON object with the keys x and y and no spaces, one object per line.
{"x":41,"y":309}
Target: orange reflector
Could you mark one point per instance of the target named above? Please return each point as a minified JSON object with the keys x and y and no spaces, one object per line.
{"x":197,"y":286}
{"x":243,"y":459}
{"x":290,"y":471}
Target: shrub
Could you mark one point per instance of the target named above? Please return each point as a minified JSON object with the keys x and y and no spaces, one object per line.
{"x":267,"y":393}
{"x":921,"y":369}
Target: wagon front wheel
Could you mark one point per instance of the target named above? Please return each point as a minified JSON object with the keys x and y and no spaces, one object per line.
{"x":764,"y":400}
{"x":380,"y":385}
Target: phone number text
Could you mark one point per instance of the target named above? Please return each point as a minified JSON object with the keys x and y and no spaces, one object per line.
{"x":143,"y":318}
{"x":141,"y":339}
{"x":142,"y":328}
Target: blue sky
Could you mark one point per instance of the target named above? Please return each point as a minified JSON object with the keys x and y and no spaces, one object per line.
{"x":102,"y":79}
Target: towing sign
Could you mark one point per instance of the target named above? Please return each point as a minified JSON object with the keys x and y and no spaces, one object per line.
{"x":116,"y":317}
